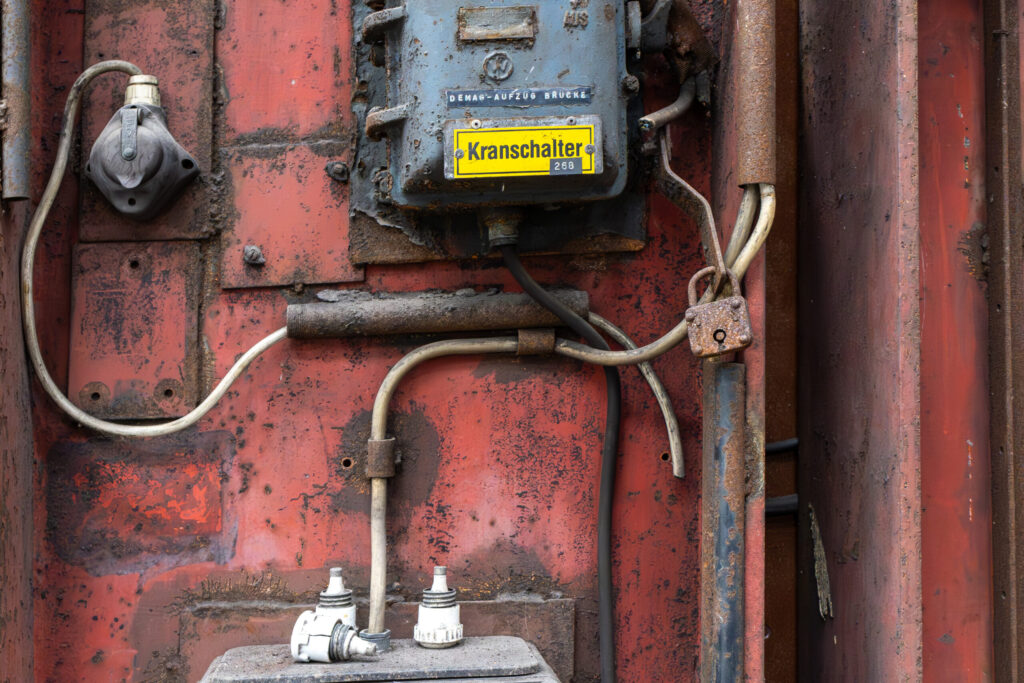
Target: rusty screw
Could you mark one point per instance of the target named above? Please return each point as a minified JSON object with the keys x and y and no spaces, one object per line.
{"x":337,"y":170}
{"x":253,"y":255}
{"x":631,"y":84}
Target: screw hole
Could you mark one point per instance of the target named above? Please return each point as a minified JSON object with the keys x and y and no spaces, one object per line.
{"x":131,"y":201}
{"x":347,"y":463}
{"x":95,"y":396}
{"x":188,"y":164}
{"x":719,"y":336}
{"x":168,"y":393}
{"x":665,"y":456}
{"x":133,"y":264}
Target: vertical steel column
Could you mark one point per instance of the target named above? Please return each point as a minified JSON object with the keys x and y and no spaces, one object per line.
{"x":1006,"y":324}
{"x":723,"y":503}
{"x":14,"y":84}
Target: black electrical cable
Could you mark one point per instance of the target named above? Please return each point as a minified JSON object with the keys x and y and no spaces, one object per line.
{"x":784,"y":446}
{"x":609,"y":449}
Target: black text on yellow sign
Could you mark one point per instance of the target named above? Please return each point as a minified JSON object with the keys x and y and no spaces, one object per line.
{"x":521,"y":151}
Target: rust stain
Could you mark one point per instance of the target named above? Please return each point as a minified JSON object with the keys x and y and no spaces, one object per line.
{"x":974,"y":247}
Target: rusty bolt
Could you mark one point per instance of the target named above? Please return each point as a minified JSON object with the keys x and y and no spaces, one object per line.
{"x":631,"y":84}
{"x":253,"y":255}
{"x":384,"y":182}
{"x":337,"y":170}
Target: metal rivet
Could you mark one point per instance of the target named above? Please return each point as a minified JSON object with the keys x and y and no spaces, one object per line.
{"x":253,"y":255}
{"x":589,"y":149}
{"x":475,"y":123}
{"x":337,"y":170}
{"x":459,"y":153}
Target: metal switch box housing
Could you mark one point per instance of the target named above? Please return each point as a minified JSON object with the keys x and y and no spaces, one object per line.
{"x":524,"y":82}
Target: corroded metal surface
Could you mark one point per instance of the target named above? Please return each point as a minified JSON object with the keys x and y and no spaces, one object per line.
{"x":274,"y":185}
{"x":380,"y":458}
{"x":497,"y":474}
{"x":17,"y":102}
{"x":536,"y":342}
{"x":956,"y":517}
{"x":1004,"y":61}
{"x":726,"y":205}
{"x":723,"y":514}
{"x":359,"y":314}
{"x":755,"y":91}
{"x":16,"y":521}
{"x":131,"y":303}
{"x":859,"y":305}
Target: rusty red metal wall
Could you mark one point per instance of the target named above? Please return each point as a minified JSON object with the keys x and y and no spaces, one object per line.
{"x":956,"y":515}
{"x":860,"y":340}
{"x":152,"y":557}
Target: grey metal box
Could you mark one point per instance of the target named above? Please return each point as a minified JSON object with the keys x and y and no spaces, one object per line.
{"x":486,"y":64}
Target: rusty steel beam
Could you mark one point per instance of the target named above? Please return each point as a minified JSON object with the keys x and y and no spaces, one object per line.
{"x":723,"y":503}
{"x":1006,"y":324}
{"x":860,"y":340}
{"x":359,"y":314}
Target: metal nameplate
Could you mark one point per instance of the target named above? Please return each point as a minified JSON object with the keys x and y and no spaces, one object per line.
{"x":497,"y":23}
{"x":505,"y":148}
{"x":518,"y":97}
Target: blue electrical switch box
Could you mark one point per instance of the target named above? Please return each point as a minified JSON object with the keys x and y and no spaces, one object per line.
{"x":499,"y":102}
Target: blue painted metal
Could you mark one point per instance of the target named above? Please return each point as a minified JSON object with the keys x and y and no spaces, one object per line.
{"x":14,"y":56}
{"x":573,"y":66}
{"x":722,"y":519}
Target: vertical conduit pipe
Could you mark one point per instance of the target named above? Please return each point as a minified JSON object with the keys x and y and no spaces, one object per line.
{"x":755,"y":92}
{"x":14,"y":88}
{"x":723,"y":503}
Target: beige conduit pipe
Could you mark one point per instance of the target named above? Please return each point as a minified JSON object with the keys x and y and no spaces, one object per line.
{"x":675,"y":439}
{"x":378,"y":432}
{"x":454,"y":347}
{"x":28,"y":256}
{"x":678,"y":333}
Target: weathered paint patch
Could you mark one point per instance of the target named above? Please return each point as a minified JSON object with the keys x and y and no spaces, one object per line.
{"x":277,"y":185}
{"x":118,"y":507}
{"x":134,"y":329}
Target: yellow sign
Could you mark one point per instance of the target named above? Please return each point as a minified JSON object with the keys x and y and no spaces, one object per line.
{"x":522,"y":151}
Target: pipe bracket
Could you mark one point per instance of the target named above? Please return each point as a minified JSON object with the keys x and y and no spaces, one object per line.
{"x":536,"y":342}
{"x":380,"y":458}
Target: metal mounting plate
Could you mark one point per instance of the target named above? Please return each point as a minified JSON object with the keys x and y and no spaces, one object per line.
{"x":486,"y":660}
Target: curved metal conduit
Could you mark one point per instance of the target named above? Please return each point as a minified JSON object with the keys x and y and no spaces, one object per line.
{"x":378,"y":431}
{"x":28,"y":256}
{"x":678,"y":333}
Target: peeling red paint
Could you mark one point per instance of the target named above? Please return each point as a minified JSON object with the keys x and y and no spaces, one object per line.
{"x":955,"y":463}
